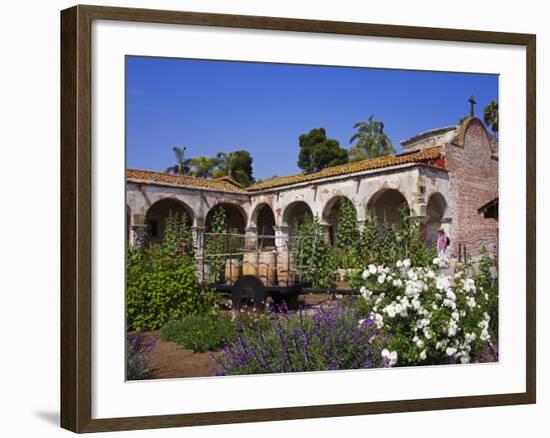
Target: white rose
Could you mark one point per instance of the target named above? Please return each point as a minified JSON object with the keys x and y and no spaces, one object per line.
{"x":450,"y":351}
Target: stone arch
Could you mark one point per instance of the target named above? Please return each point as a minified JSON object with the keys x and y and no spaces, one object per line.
{"x":294,"y":214}
{"x":236,"y":217}
{"x":156,"y":216}
{"x":332,"y":214}
{"x":460,"y":137}
{"x":386,"y":204}
{"x":263,"y":220}
{"x":435,"y":212}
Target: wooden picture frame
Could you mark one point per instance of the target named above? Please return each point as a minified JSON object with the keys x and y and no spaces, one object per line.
{"x":76,"y":217}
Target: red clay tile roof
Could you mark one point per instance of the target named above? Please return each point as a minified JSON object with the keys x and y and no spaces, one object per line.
{"x":426,"y":156}
{"x":432,"y":156}
{"x":181,"y":180}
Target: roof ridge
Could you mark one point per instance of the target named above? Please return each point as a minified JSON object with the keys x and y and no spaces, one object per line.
{"x":166,"y":173}
{"x":361,"y":165}
{"x":177,"y":179}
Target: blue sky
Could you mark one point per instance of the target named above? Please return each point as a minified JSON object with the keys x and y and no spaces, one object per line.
{"x":212,"y":106}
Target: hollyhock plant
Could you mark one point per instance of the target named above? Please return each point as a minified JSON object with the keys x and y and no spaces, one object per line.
{"x":428,"y":317}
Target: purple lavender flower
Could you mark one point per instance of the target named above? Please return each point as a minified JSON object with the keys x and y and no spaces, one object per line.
{"x":329,"y":338}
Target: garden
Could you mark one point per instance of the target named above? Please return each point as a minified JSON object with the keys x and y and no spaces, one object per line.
{"x":408,"y":308}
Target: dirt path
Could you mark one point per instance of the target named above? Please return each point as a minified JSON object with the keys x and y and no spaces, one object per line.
{"x":169,"y":361}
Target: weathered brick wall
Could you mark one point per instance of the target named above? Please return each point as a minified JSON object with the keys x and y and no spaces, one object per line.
{"x":473,"y":173}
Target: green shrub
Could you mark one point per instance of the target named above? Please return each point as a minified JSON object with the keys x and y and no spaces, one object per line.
{"x":382,"y":244}
{"x":199,"y":332}
{"x":489,"y":285}
{"x":315,"y":262}
{"x":215,"y":242}
{"x":160,"y":280}
{"x":347,"y":235}
{"x":161,"y":287}
{"x":178,"y":237}
{"x":428,"y":317}
{"x":210,"y":332}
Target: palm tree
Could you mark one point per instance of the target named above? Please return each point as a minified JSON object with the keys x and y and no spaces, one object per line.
{"x":203,"y":166}
{"x":371,"y":140}
{"x":182,"y":165}
{"x":227,"y":166}
{"x":490,"y":116}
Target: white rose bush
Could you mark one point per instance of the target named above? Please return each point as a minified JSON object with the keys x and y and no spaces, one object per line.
{"x":426,"y":316}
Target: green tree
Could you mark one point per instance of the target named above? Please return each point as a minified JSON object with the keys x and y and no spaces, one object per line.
{"x":237,"y":165}
{"x":318,"y":152}
{"x":182,"y":164}
{"x":203,"y":166}
{"x":490,"y":116}
{"x":347,"y":230}
{"x":315,"y":262}
{"x":371,"y":141}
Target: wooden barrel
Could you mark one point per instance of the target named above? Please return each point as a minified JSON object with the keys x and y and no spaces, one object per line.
{"x":232,"y":270}
{"x":250,"y":263}
{"x":267,"y":267}
{"x":286,"y":268}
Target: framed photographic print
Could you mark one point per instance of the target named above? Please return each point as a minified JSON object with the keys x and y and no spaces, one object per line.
{"x":270,"y":218}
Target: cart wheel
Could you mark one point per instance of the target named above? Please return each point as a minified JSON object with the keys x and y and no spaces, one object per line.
{"x":290,"y":299}
{"x":248,"y":289}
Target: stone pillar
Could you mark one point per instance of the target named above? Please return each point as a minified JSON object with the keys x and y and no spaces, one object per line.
{"x":198,"y":249}
{"x":325,"y":231}
{"x":138,"y":230}
{"x":251,"y":238}
{"x":198,"y":238}
{"x":282,"y":238}
{"x":138,"y":234}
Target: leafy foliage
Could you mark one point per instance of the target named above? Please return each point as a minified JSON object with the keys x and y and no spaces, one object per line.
{"x":203,"y":166}
{"x":490,"y":116}
{"x":182,"y":164}
{"x":237,"y":165}
{"x":210,"y":332}
{"x":215,"y":242}
{"x":382,"y":244}
{"x":317,"y":151}
{"x":315,"y":261}
{"x":371,"y":141}
{"x":488,"y":284}
{"x":199,"y":332}
{"x":178,"y":237}
{"x":160,"y":280}
{"x":347,"y":236}
{"x":333,"y":338}
{"x":428,"y":318}
{"x":347,"y":230}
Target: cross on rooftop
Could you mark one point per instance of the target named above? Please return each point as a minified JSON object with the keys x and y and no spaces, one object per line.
{"x":472,"y":103}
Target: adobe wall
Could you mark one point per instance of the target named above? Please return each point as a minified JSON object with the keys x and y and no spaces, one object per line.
{"x":473,"y":173}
